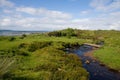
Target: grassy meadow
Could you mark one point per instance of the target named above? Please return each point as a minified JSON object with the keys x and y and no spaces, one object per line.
{"x":42,"y":56}
{"x":109,"y":54}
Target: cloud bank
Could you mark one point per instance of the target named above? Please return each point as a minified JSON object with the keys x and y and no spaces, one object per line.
{"x":30,"y":18}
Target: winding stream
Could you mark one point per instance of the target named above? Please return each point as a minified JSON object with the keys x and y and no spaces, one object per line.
{"x":96,"y":70}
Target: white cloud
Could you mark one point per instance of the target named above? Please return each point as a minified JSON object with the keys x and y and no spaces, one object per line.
{"x":105,"y":5}
{"x":27,"y":10}
{"x":115,"y":14}
{"x":6,"y":11}
{"x":85,"y":12}
{"x":115,"y":25}
{"x":5,"y":22}
{"x":112,"y":21}
{"x":44,"y":12}
{"x":6,"y":3}
{"x":45,"y":19}
{"x":80,"y":20}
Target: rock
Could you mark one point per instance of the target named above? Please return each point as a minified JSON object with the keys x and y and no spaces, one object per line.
{"x":87,"y":62}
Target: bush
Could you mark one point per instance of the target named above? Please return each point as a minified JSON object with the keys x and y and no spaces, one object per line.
{"x":38,"y":45}
{"x":23,"y":36}
{"x":67,"y":32}
{"x":55,"y":33}
{"x":23,"y":52}
{"x":17,"y":51}
{"x":12,"y":39}
{"x":23,"y":45}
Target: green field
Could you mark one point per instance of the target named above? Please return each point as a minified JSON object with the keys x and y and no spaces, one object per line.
{"x":35,"y":56}
{"x":109,"y":54}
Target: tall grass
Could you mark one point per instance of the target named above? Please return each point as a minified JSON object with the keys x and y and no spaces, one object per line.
{"x":6,"y":64}
{"x":50,"y":63}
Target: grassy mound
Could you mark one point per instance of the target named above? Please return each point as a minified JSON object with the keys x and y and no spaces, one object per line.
{"x":40,"y":57}
{"x":49,"y":63}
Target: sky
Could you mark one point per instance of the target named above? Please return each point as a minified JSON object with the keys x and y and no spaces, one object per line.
{"x":49,"y":15}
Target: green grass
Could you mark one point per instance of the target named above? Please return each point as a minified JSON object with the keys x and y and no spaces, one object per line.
{"x":110,"y":53}
{"x":6,"y":44}
{"x":40,"y":57}
{"x":50,"y":64}
{"x":109,"y":56}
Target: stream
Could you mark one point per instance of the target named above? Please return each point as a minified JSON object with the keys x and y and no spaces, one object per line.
{"x":95,"y":69}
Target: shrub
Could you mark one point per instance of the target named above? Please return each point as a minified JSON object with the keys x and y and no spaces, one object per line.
{"x":23,"y":36}
{"x":23,"y":45}
{"x":12,"y":39}
{"x":16,"y":51}
{"x":23,"y":52}
{"x":38,"y":45}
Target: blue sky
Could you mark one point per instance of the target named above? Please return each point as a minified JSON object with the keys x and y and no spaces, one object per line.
{"x":59,"y":14}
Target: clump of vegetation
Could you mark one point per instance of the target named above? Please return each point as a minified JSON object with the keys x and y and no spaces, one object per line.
{"x":50,"y":62}
{"x":67,"y":32}
{"x":38,"y":45}
{"x":12,"y":39}
{"x":23,"y":36}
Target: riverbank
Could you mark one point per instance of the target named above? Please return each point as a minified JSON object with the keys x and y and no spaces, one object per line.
{"x":91,"y":55}
{"x":110,"y":56}
{"x":96,"y":70}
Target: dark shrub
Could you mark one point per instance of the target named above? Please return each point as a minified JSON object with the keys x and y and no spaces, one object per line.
{"x":23,"y":53}
{"x":17,"y":51}
{"x":38,"y":45}
{"x":12,"y":39}
{"x":55,"y":33}
{"x":23,"y":45}
{"x":23,"y":36}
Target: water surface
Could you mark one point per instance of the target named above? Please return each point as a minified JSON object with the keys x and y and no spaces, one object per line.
{"x":96,"y":70}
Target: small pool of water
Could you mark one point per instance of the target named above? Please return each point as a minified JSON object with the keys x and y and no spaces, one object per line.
{"x":96,"y":70}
